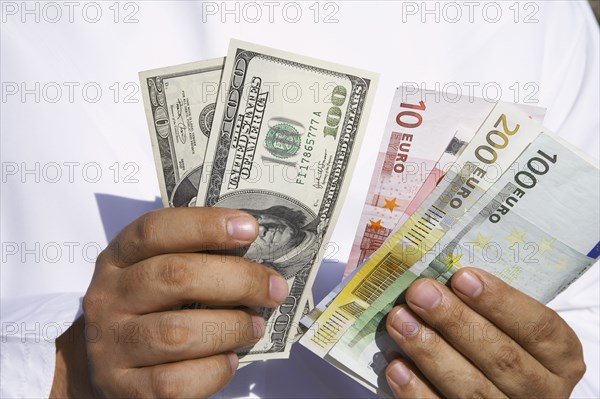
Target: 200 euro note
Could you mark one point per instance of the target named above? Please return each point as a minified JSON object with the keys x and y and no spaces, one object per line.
{"x":424,"y":134}
{"x":464,"y":118}
{"x":500,"y":140}
{"x":284,"y":156}
{"x":536,"y":229}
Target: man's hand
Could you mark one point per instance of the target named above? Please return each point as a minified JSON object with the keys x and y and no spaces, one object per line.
{"x":137,"y":343}
{"x":480,"y":339}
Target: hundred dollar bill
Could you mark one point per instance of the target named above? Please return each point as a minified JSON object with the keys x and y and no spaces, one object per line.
{"x":500,"y":140}
{"x":286,"y":134}
{"x":536,"y":229}
{"x":315,"y":312}
{"x":180,"y":103}
{"x":300,"y":328}
{"x":424,"y":134}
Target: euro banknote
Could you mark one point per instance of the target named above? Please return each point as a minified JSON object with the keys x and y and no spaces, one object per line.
{"x":424,"y":134}
{"x":536,"y":229}
{"x":461,"y":115}
{"x":505,"y":133}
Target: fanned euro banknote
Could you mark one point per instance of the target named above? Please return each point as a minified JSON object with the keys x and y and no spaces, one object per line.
{"x":406,"y":169}
{"x":536,"y":229}
{"x":283,"y":144}
{"x":425,"y":133}
{"x":504,"y":134}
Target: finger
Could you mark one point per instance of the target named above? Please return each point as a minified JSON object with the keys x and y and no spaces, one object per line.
{"x":537,"y":328}
{"x":196,"y":378}
{"x":502,"y":360}
{"x":448,"y":370}
{"x":164,"y":281}
{"x":181,"y":230}
{"x":186,"y":334}
{"x":406,"y":381}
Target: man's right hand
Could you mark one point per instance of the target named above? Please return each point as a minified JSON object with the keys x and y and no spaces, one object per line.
{"x":138,"y":343}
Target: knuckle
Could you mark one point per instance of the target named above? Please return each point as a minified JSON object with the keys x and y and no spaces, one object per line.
{"x":175,"y":273}
{"x":495,"y":292}
{"x":423,"y":345}
{"x":479,"y":393}
{"x":577,"y":370}
{"x":536,"y":381}
{"x":477,"y":389}
{"x":92,"y":303}
{"x":174,"y":330}
{"x":166,"y":384}
{"x":124,"y":386}
{"x":133,"y":278}
{"x":546,"y":326}
{"x":103,"y":257}
{"x":251,"y":281}
{"x":453,"y":323}
{"x":218,"y":377}
{"x":146,"y":227}
{"x":457,"y":312}
{"x":224,"y":372}
{"x":507,"y":359}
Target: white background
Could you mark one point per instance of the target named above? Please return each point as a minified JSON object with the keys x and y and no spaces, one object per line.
{"x":52,"y":224}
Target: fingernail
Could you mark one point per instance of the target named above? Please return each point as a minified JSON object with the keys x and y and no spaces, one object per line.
{"x":242,"y":228}
{"x":468,"y":284}
{"x":426,"y":296}
{"x":399,"y":374}
{"x":234,"y":361}
{"x":278,"y":288}
{"x":258,"y":326}
{"x":405,"y":323}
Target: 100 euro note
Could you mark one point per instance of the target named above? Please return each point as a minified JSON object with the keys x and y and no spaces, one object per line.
{"x":536,"y":229}
{"x":285,"y":157}
{"x":424,"y":134}
{"x":500,"y":140}
{"x":179,"y":102}
{"x":463,"y":117}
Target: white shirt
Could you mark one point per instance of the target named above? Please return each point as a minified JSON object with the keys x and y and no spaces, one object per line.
{"x":77,"y":163}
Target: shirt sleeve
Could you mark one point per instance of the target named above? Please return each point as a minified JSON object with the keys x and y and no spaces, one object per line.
{"x":30,"y":326}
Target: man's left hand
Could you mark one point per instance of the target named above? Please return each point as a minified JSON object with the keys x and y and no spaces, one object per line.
{"x":480,"y":338}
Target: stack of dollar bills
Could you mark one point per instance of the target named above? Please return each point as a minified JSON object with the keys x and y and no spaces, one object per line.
{"x":274,"y":134}
{"x":457,"y":181}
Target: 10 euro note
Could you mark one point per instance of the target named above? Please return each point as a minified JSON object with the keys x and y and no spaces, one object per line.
{"x":287,"y":161}
{"x":505,"y":133}
{"x":424,"y":134}
{"x":179,"y":102}
{"x":536,"y":229}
